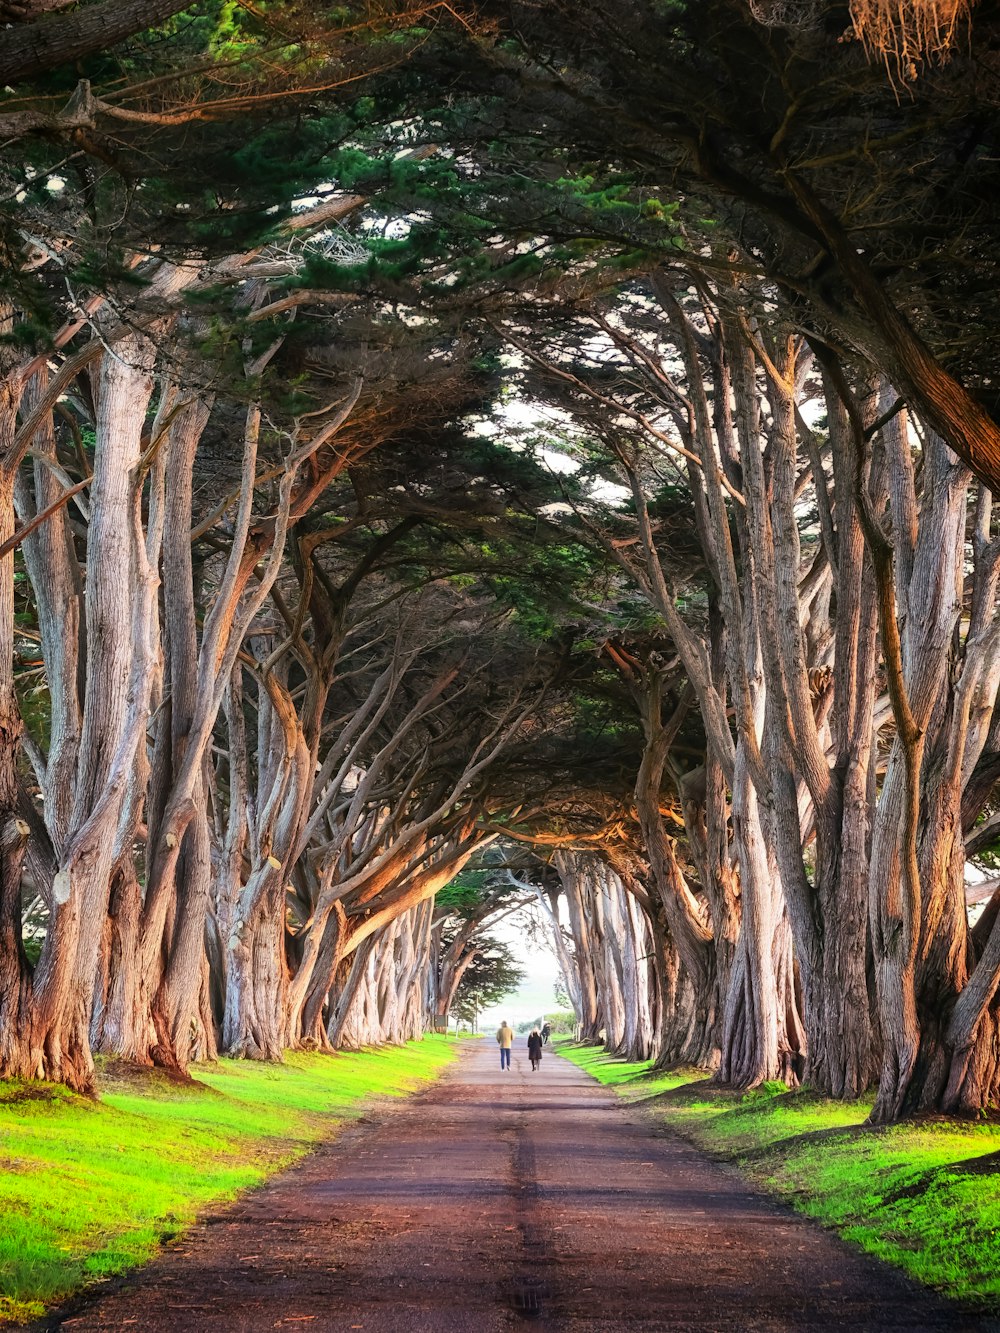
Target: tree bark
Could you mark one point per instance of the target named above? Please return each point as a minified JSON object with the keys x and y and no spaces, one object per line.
{"x":591,"y":1017}
{"x":61,"y":40}
{"x":17,"y":1057}
{"x":119,"y":602}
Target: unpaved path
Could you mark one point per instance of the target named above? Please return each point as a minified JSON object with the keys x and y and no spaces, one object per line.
{"x":493,"y":1199}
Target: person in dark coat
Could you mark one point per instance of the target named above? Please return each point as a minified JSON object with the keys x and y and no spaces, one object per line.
{"x":546,"y":1033}
{"x":535,"y":1048}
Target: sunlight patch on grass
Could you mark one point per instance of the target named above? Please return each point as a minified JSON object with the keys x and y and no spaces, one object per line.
{"x":924,"y":1195}
{"x":90,"y":1188}
{"x":635,"y":1081}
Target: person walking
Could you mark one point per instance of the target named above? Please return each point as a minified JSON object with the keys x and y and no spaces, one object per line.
{"x":535,"y":1044}
{"x":505,"y":1040}
{"x":546,"y":1033}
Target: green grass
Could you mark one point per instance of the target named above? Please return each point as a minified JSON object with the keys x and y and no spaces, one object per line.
{"x":633,"y":1081}
{"x":90,"y":1188}
{"x":924,"y":1195}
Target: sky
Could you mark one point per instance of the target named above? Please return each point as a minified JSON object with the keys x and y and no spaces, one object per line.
{"x":536,"y":995}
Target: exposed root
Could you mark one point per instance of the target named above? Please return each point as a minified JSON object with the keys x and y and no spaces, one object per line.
{"x":908,"y":34}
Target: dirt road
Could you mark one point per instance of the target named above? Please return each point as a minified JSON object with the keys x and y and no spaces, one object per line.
{"x":496,"y":1199}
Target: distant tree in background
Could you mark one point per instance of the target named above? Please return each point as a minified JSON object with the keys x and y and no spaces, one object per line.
{"x":491,"y":977}
{"x":560,"y":1021}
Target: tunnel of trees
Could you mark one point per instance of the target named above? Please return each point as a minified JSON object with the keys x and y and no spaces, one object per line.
{"x":454,"y":457}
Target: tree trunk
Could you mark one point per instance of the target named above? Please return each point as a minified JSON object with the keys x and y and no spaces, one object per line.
{"x":119,"y":604}
{"x":127,"y":1029}
{"x":256,"y":976}
{"x":761,"y":1037}
{"x":591,"y":1018}
{"x":349,"y":1020}
{"x":918,"y":936}
{"x":17,"y":1058}
{"x":332,"y":950}
{"x":62,"y":40}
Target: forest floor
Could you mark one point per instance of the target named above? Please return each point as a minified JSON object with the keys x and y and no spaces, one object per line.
{"x":490,"y":1199}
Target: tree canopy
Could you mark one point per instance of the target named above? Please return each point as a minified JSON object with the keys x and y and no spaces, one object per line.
{"x":454,"y":455}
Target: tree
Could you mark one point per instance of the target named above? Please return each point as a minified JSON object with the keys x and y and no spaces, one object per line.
{"x":667,"y":92}
{"x":720,"y":680}
{"x":50,"y":43}
{"x":491,"y":976}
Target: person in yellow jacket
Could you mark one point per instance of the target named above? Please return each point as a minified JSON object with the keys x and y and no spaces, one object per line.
{"x":505,"y":1040}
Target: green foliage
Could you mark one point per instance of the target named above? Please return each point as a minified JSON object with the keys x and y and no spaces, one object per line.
{"x":35,"y":706}
{"x":988,"y":855}
{"x":92,"y":1188}
{"x":561,"y":1021}
{"x":491,"y":977}
{"x":390,"y":260}
{"x":28,"y":333}
{"x":33,"y":949}
{"x":465,"y":892}
{"x":102,"y":269}
{"x":546,"y":588}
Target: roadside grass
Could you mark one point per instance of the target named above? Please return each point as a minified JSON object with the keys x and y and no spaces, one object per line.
{"x":633,"y":1081}
{"x":924,"y":1195}
{"x":89,"y":1188}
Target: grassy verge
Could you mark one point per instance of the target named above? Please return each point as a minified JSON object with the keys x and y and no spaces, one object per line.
{"x":924,"y":1196}
{"x":90,"y":1188}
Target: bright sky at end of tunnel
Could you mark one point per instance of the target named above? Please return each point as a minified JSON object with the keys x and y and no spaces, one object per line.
{"x":536,"y":995}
